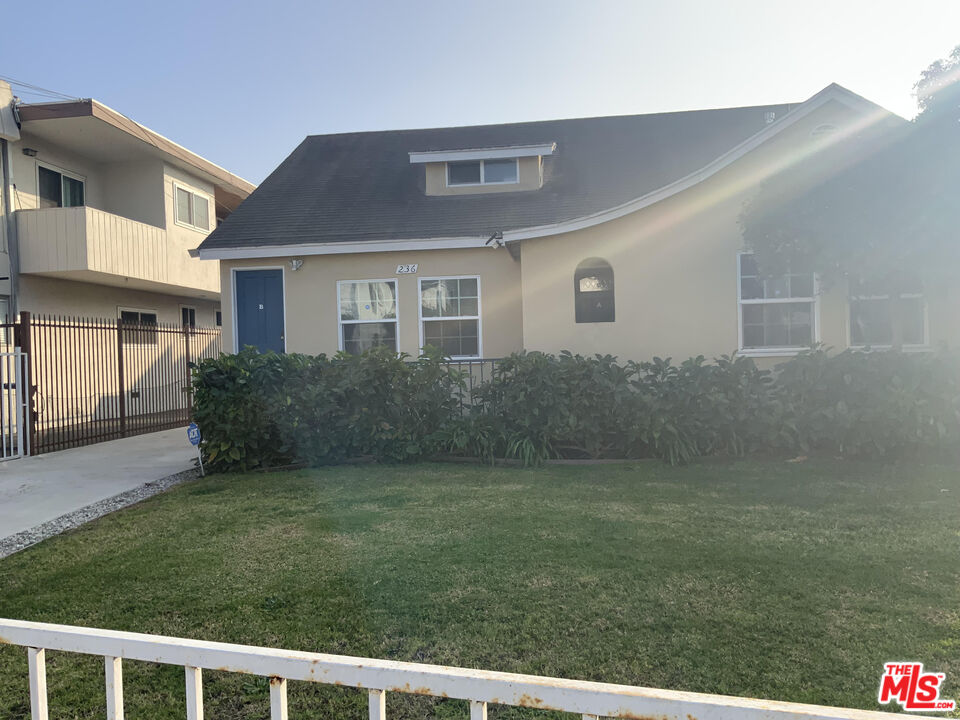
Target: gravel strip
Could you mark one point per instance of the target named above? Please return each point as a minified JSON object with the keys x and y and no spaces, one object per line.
{"x":15,"y":543}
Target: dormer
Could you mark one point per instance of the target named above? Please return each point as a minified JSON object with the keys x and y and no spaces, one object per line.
{"x":484,"y":170}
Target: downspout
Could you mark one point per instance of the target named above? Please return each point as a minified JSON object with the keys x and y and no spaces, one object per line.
{"x":13,"y":240}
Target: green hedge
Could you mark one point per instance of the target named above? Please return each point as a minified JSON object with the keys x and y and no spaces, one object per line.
{"x":271,"y":410}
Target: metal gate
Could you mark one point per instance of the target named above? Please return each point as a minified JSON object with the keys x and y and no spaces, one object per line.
{"x":97,"y":379}
{"x":14,"y":413}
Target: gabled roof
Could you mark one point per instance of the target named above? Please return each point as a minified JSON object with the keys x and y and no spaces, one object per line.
{"x":359,"y":192}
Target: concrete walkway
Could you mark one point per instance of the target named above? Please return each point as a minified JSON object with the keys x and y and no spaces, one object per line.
{"x":37,"y":489}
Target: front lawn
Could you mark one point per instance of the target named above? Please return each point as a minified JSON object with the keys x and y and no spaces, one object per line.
{"x":766,"y":579}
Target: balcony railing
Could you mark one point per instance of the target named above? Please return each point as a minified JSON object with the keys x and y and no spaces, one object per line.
{"x":67,"y":241}
{"x":591,"y":700}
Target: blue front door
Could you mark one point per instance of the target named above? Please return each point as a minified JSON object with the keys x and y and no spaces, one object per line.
{"x":260,"y":309}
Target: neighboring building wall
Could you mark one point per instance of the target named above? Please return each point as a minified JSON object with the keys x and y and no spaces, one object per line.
{"x":311,"y":295}
{"x":134,"y":190}
{"x":43,"y":295}
{"x":24,"y":173}
{"x":181,"y":239}
{"x":142,"y":191}
{"x":675,"y":270}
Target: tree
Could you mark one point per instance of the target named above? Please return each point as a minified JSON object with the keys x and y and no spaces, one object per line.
{"x":889,"y":214}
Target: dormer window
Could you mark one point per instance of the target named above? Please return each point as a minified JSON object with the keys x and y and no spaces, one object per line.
{"x":512,"y":168}
{"x":483,"y":172}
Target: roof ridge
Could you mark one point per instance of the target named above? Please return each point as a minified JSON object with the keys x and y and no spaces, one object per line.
{"x":787,"y":105}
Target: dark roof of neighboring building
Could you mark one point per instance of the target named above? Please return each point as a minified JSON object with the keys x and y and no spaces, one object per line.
{"x":361,"y":186}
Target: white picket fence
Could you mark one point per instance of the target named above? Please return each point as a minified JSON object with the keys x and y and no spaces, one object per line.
{"x":592,"y":700}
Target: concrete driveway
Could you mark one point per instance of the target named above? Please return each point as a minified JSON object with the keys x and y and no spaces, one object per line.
{"x":37,"y":489}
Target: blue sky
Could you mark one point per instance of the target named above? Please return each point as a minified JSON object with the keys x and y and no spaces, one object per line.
{"x":243,"y":82}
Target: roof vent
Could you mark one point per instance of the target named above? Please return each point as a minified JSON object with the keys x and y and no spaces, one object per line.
{"x":769,"y":116}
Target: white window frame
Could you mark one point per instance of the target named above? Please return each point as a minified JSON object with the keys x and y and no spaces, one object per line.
{"x":211,"y":210}
{"x":921,"y":347}
{"x":478,"y":317}
{"x":775,"y":351}
{"x":63,"y":173}
{"x":482,"y":180}
{"x":396,"y":302}
{"x":123,"y":308}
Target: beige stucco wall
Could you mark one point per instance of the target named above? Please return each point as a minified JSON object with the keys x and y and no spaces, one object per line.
{"x":135,"y":190}
{"x":311,"y":295}
{"x":43,"y":295}
{"x":528,"y":175}
{"x":23,"y":172}
{"x":181,"y":238}
{"x":675,"y":269}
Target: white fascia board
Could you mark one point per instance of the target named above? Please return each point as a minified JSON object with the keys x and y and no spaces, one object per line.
{"x":341,"y":248}
{"x":515,"y":151}
{"x":832,"y":92}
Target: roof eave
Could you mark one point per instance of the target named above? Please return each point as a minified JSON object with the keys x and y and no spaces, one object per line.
{"x":87,"y":107}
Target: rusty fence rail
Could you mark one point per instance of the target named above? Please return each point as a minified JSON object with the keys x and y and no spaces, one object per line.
{"x":591,"y":700}
{"x":97,"y":379}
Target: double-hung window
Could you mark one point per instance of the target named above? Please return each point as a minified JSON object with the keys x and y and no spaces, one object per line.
{"x":192,"y":209}
{"x":139,"y":326}
{"x":368,"y":314}
{"x":56,"y":189}
{"x":450,"y":315}
{"x":483,"y":172}
{"x":188,"y":316}
{"x":777,"y":313}
{"x":883,"y":314}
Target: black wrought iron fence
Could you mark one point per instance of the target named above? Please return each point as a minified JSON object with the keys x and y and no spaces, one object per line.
{"x":475,"y":371}
{"x":102,"y":379}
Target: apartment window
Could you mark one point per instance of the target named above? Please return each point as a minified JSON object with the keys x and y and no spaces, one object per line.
{"x":450,"y":315}
{"x":218,"y":317}
{"x":776,"y":312}
{"x":188,"y":316}
{"x":483,"y":172}
{"x":139,"y":326}
{"x":57,"y":189}
{"x":192,"y":209}
{"x":368,"y":314}
{"x":882,"y":317}
{"x":593,"y":291}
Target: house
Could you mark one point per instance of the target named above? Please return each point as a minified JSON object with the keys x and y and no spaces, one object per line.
{"x":99,"y":214}
{"x":616,"y":235}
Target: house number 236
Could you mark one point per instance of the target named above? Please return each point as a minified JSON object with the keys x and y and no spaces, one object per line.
{"x":407,"y":269}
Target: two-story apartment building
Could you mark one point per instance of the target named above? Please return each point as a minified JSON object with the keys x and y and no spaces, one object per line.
{"x":99,"y":214}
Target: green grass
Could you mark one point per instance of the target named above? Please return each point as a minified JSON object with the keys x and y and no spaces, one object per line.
{"x":765,"y":579}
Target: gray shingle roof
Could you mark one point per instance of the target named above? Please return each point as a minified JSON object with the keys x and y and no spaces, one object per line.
{"x":362,"y":186}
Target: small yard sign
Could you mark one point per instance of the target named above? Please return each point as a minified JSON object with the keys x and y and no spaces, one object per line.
{"x":408,"y":269}
{"x":193,"y":435}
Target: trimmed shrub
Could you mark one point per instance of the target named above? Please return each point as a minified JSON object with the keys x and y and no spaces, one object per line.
{"x":873,"y":404}
{"x":269,"y":410}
